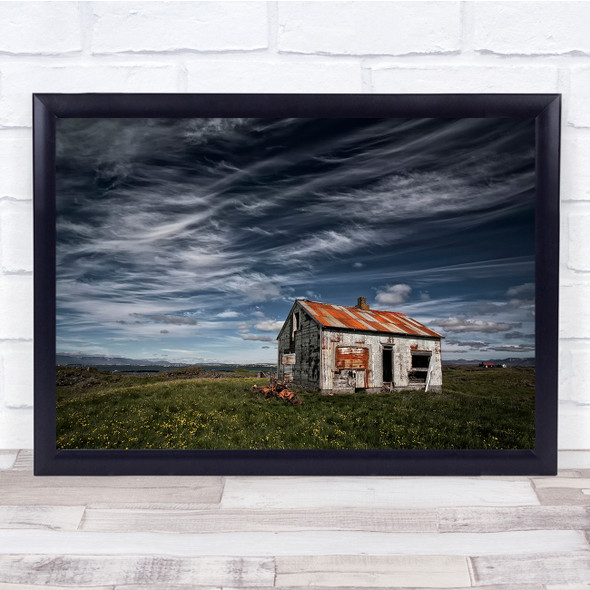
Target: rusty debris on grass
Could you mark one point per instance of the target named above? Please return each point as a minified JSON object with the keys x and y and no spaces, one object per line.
{"x":279,"y":390}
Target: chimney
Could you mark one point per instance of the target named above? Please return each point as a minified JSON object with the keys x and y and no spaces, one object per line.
{"x":362,"y":303}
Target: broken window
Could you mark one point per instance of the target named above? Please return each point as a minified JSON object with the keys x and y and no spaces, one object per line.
{"x":420,"y":365}
{"x":295,"y":324}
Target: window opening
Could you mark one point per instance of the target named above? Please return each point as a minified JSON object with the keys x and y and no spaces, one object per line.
{"x":295,"y":324}
{"x":420,"y":365}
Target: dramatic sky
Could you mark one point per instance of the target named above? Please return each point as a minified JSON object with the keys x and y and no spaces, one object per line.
{"x":188,"y":240}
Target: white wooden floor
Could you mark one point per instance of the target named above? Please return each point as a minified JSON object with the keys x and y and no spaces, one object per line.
{"x":131,"y":533}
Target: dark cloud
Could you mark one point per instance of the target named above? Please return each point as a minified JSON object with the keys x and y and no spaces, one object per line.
{"x":484,"y":307}
{"x":470,"y":344}
{"x":525,"y":291}
{"x":168,"y":319}
{"x":258,"y":338}
{"x":513,"y":349}
{"x":518,"y":336}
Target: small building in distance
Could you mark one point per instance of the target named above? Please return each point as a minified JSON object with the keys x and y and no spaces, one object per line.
{"x":338,"y":349}
{"x":490,"y":365}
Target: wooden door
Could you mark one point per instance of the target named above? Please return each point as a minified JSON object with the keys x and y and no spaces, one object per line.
{"x":360,"y":378}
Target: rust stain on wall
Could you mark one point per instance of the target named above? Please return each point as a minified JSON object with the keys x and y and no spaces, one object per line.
{"x":352,"y":357}
{"x":321,"y":347}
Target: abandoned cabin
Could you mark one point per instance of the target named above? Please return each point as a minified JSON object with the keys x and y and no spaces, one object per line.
{"x":338,"y":349}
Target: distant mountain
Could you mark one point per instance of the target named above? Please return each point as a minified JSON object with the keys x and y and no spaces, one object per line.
{"x":91,"y":360}
{"x":509,"y":362}
{"x":62,"y":358}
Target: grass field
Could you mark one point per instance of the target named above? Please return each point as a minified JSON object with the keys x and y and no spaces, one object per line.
{"x":478,"y":409}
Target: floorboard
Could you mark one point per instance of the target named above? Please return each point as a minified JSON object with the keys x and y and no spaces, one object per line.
{"x":244,"y":520}
{"x":290,"y":543}
{"x":384,"y":492}
{"x":212,"y":533}
{"x":543,"y":568}
{"x":11,"y":586}
{"x":53,"y":518}
{"x":363,"y":570}
{"x":7,"y":459}
{"x":81,"y":571}
{"x":20,"y":487}
{"x":517,"y":518}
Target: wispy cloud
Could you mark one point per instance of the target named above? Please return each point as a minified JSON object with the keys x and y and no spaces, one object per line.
{"x":526,"y":290}
{"x":513,"y":349}
{"x":186,"y":224}
{"x":468,"y":344}
{"x":269,"y":325}
{"x":258,"y":337}
{"x":168,"y":319}
{"x":518,"y":336}
{"x":464,"y":325}
{"x":229,"y":314}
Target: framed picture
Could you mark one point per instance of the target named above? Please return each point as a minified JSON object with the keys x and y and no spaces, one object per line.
{"x":296,"y":284}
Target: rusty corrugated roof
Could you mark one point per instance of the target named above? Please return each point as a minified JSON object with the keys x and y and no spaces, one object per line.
{"x":353,"y":318}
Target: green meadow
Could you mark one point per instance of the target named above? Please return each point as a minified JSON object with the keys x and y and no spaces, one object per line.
{"x":187,"y":409}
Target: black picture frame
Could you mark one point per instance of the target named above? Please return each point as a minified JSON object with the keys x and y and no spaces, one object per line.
{"x":544,"y":108}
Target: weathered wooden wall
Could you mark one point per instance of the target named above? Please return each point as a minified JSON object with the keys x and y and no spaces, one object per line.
{"x":305,"y":344}
{"x":402,"y":361}
{"x":286,"y":346}
{"x":299,"y":354}
{"x":332,"y":381}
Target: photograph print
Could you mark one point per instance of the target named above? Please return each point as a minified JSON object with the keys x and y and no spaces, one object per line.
{"x":295,"y":283}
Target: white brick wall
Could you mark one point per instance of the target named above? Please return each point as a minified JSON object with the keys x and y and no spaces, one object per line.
{"x":524,"y":28}
{"x":21,"y":78}
{"x":575,"y":171}
{"x":40,"y":28}
{"x":130,"y":27}
{"x":16,"y":385}
{"x":371,"y":28}
{"x":464,"y":78}
{"x":16,"y":306}
{"x":264,"y":75}
{"x":16,"y":163}
{"x":16,"y":236}
{"x":291,"y":47}
{"x":580,"y":92}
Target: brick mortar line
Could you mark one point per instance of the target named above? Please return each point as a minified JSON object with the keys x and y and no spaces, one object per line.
{"x":410,"y":58}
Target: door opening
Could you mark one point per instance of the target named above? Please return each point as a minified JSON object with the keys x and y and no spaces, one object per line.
{"x":387,"y":365}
